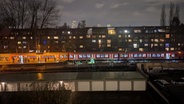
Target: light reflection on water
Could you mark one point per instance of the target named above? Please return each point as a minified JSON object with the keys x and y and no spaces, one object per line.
{"x":40,"y":76}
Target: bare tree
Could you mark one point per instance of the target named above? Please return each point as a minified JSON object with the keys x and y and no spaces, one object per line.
{"x":28,"y":13}
{"x":163,"y":16}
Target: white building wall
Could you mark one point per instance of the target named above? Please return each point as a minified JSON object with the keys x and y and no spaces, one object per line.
{"x":111,"y":85}
{"x":97,"y":85}
{"x":83,"y":86}
{"x":139,"y":85}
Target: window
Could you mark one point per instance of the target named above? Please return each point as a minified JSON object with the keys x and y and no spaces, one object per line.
{"x":167,"y":49}
{"x":23,"y":37}
{"x":155,"y":44}
{"x":99,"y":41}
{"x":145,"y":45}
{"x":161,"y":40}
{"x":103,"y":36}
{"x":129,"y":40}
{"x":56,"y":37}
{"x":93,"y":41}
{"x":5,"y":47}
{"x":31,"y":37}
{"x":108,"y":45}
{"x":69,"y":32}
{"x":126,"y":31}
{"x":88,"y":36}
{"x":48,"y":37}
{"x":19,"y":42}
{"x":81,"y":46}
{"x":156,"y":40}
{"x":172,"y":49}
{"x":108,"y":41}
{"x":12,"y":37}
{"x":80,"y":37}
{"x":137,"y":31}
{"x":166,"y":45}
{"x":24,"y":46}
{"x":135,"y":45}
{"x":74,"y":37}
{"x":167,"y":36}
{"x":140,"y":40}
{"x":129,"y":36}
{"x":120,"y":49}
{"x":141,"y":49}
{"x":119,"y":36}
{"x":111,"y":31}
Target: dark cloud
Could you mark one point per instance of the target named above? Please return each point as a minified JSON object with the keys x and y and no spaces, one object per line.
{"x":115,"y":12}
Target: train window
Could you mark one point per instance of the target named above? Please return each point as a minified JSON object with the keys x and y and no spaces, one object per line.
{"x":98,"y":55}
{"x":80,"y":56}
{"x":144,"y":55}
{"x":106,"y":55}
{"x":140,"y":55}
{"x":84,"y":55}
{"x":88,"y":56}
{"x":102,"y":55}
{"x":148,"y":55}
{"x":135,"y":55}
{"x":115,"y":55}
{"x":162,"y":55}
{"x":71,"y":56}
{"x":153,"y":55}
{"x":158,"y":55}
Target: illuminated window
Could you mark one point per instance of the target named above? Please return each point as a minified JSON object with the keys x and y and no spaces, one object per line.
{"x":23,"y":37}
{"x":70,"y":37}
{"x":24,"y":46}
{"x":140,"y":40}
{"x":88,"y":36}
{"x":129,"y":36}
{"x":120,"y":49}
{"x":156,"y":40}
{"x":172,"y":49}
{"x":137,"y":31}
{"x":31,"y":37}
{"x":161,"y":40}
{"x":111,"y":31}
{"x":74,"y":37}
{"x":179,"y":44}
{"x":19,"y":42}
{"x":126,"y":31}
{"x":141,"y":49}
{"x":19,"y":47}
{"x":167,"y":49}
{"x":48,"y":37}
{"x":108,"y":45}
{"x":135,"y":45}
{"x":167,"y":36}
{"x":166,"y":45}
{"x":24,"y":42}
{"x":80,"y":37}
{"x":56,"y":37}
{"x":94,"y":41}
{"x":99,"y":41}
{"x":5,"y":47}
{"x":108,"y":41}
{"x":99,"y":36}
{"x":12,"y":37}
{"x":129,"y":40}
{"x":69,"y":32}
{"x":103,"y":36}
{"x":81,"y":46}
{"x":145,"y":45}
{"x":155,"y":44}
{"x":119,"y":36}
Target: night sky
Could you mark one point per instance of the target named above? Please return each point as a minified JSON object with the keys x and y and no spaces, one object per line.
{"x":116,"y":12}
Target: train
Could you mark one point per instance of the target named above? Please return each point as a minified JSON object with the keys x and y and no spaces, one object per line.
{"x":63,"y":56}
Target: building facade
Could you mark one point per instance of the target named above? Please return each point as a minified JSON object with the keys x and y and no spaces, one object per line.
{"x":93,"y":39}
